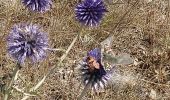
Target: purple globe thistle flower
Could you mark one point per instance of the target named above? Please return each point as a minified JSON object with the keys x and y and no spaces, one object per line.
{"x":38,"y":5}
{"x":93,"y":72}
{"x":27,"y":41}
{"x":90,"y":12}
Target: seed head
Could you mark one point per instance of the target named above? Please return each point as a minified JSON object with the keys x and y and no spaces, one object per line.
{"x":38,"y":5}
{"x":27,"y":41}
{"x":90,"y":12}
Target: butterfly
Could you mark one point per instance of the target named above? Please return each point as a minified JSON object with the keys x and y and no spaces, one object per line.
{"x":92,"y":63}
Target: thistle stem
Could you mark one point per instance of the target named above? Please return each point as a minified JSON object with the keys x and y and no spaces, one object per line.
{"x":52,"y":69}
{"x":14,"y":77}
{"x":54,"y":49}
{"x":84,"y":91}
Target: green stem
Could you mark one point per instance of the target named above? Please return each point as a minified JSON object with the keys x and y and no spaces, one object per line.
{"x":14,"y":77}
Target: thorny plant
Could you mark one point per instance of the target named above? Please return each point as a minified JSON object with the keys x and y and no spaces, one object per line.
{"x":158,"y":75}
{"x":28,"y":42}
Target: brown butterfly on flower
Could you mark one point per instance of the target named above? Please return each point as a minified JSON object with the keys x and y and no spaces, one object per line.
{"x":92,"y":63}
{"x":93,"y":72}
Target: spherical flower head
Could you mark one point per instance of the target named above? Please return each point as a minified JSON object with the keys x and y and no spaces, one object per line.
{"x":27,"y":41}
{"x":93,"y":71}
{"x":90,"y":12}
{"x":38,"y":5}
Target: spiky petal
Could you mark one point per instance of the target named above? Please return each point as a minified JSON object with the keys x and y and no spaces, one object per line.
{"x":27,"y":41}
{"x":90,"y":12}
{"x":38,"y":5}
{"x":93,"y":71}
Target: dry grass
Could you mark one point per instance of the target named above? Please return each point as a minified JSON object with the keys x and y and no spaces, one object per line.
{"x":139,"y":28}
